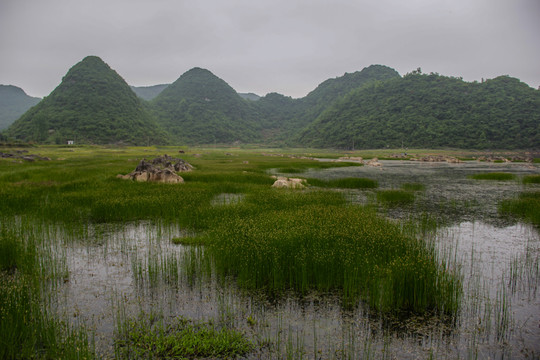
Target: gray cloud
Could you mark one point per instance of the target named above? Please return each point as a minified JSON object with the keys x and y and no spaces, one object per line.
{"x":264,"y":46}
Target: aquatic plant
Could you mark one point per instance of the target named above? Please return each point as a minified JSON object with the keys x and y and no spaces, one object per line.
{"x":526,"y":206}
{"x":395,"y":197}
{"x":531,"y":179}
{"x":344,"y":183}
{"x":182,"y":338}
{"x":27,"y":329}
{"x":324,"y":247}
{"x":499,"y":176}
{"x":413,"y":186}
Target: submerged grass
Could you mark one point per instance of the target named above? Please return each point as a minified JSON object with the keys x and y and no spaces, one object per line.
{"x":526,"y":206}
{"x":27,"y":329}
{"x":344,"y":183}
{"x":181,"y":339}
{"x":498,"y":176}
{"x":325,"y":247}
{"x":531,"y":179}
{"x":395,"y":197}
{"x":413,"y":186}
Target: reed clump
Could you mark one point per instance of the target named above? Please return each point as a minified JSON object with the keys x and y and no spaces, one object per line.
{"x":182,"y":338}
{"x":27,"y":330}
{"x":349,"y":249}
{"x":344,"y":183}
{"x":413,"y":186}
{"x":395,"y":197}
{"x":531,"y":179}
{"x":526,"y":206}
{"x":498,"y":176}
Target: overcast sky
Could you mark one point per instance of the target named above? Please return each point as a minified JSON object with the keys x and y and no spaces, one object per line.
{"x":262,"y":46}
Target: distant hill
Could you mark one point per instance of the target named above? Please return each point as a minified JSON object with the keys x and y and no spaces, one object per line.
{"x":200,"y":108}
{"x":282,"y":117}
{"x":13,"y":103}
{"x":249,"y":96}
{"x":372,"y":108}
{"x":148,"y":92}
{"x":92,"y":104}
{"x":431,"y":111}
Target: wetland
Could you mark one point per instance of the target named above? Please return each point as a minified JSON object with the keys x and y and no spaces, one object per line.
{"x":406,"y":260}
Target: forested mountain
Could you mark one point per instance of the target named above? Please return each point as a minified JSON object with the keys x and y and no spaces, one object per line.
{"x":431,"y":111}
{"x":148,"y":92}
{"x":200,"y":108}
{"x":371,"y":108}
{"x":332,"y":89}
{"x":13,"y":103}
{"x":281,"y":116}
{"x":93,"y":104}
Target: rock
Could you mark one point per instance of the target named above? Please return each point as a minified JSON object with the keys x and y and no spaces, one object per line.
{"x":374,"y":162}
{"x":162,"y":169}
{"x":351,"y":158}
{"x":289,"y":183}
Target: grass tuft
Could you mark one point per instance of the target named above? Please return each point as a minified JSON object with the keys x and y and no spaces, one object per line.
{"x":344,"y":183}
{"x":395,"y":197}
{"x":182,"y":339}
{"x":499,"y":176}
{"x":531,"y":179}
{"x":526,"y":206}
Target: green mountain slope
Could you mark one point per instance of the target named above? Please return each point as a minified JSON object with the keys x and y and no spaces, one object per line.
{"x":148,"y":92}
{"x":333,"y":89}
{"x":281,"y":116}
{"x":13,"y":103}
{"x":93,"y":104}
{"x":431,"y":111}
{"x":200,"y":108}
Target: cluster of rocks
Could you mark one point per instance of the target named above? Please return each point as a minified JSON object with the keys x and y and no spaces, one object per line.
{"x":283,"y":182}
{"x":372,"y":162}
{"x":162,"y":169}
{"x":438,"y":158}
{"x":515,"y":158}
{"x":23,"y":155}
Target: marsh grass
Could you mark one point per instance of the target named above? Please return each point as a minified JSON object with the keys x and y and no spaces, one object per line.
{"x":395,"y":197}
{"x":526,"y":206}
{"x":344,"y":183}
{"x":531,"y":179}
{"x":498,"y":176}
{"x":324,"y":247}
{"x":27,"y":329}
{"x":273,"y":241}
{"x":413,"y":187}
{"x":180,"y":338}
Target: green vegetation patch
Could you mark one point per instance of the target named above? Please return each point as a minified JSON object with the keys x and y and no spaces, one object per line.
{"x":531,"y":179}
{"x":413,"y":186}
{"x":526,"y":206}
{"x":183,"y":339}
{"x":324,"y":247}
{"x":499,"y":176}
{"x":344,"y":183}
{"x":27,"y":331}
{"x":395,"y":197}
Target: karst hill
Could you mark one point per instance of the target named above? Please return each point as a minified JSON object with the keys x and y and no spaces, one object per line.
{"x":372,"y":108}
{"x":92,"y":104}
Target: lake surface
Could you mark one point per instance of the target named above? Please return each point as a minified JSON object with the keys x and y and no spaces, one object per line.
{"x":137,"y":270}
